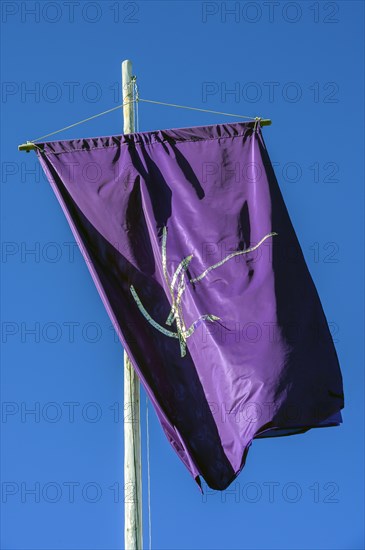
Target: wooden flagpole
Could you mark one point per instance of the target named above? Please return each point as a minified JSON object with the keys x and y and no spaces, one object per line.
{"x":132,"y":427}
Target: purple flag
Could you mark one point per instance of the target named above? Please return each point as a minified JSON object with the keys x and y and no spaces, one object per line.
{"x":192,"y":250}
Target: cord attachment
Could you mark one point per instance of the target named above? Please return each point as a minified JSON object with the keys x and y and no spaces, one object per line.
{"x":28,"y":146}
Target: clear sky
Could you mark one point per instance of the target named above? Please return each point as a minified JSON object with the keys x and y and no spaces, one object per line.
{"x":299,"y":63}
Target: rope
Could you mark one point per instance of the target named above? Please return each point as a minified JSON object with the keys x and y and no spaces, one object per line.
{"x":81,"y":122}
{"x":148,"y":478}
{"x":196,"y":109}
{"x":136,"y":99}
{"x":135,"y":96}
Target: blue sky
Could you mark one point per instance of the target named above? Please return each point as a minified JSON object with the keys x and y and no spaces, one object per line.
{"x":299,"y":63}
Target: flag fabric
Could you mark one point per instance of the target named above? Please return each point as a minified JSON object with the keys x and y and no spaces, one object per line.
{"x":193,"y":252}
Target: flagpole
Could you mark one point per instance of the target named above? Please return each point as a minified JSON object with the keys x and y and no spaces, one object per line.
{"x":132,"y":424}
